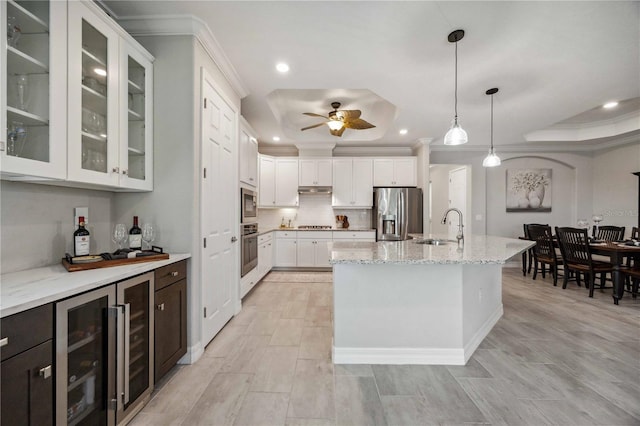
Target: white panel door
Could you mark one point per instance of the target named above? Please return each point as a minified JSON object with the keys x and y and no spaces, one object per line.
{"x":342,"y":183}
{"x":219,"y":277}
{"x":457,"y":198}
{"x":363,"y":182}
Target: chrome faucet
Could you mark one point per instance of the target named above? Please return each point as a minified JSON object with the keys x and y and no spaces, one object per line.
{"x":460,"y":236}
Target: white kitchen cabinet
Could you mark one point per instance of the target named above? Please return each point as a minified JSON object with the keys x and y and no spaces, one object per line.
{"x":286,"y":182}
{"x":286,"y":252}
{"x":354,"y":236}
{"x":312,"y":250}
{"x":248,"y":154}
{"x":33,"y":71}
{"x":265,"y":254}
{"x":109,"y":102}
{"x":267,"y":182}
{"x":315,"y":172}
{"x":352,"y":182}
{"x":249,"y":281}
{"x":399,"y":171}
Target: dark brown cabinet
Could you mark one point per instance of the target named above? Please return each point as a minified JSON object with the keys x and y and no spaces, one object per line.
{"x":170,"y":316}
{"x":26,"y":389}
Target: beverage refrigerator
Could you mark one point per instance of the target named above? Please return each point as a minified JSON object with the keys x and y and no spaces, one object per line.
{"x":397,"y":212}
{"x":104,"y":353}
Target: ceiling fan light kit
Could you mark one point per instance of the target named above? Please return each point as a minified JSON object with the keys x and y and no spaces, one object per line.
{"x":491,"y":160}
{"x":456,"y":134}
{"x":339,"y":120}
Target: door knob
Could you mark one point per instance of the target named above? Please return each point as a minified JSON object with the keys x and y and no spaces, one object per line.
{"x":234,"y":239}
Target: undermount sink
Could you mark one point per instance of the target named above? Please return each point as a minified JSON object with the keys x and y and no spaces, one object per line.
{"x":432,"y":242}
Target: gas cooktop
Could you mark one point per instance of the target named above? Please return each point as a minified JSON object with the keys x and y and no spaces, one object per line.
{"x":315,"y":227}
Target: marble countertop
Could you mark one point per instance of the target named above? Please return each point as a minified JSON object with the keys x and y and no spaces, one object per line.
{"x":28,"y":289}
{"x":478,"y":249}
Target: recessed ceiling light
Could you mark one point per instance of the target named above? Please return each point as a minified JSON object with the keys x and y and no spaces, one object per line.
{"x":403,"y":131}
{"x":282,"y":67}
{"x":276,"y":138}
{"x":609,"y":105}
{"x":100,"y":71}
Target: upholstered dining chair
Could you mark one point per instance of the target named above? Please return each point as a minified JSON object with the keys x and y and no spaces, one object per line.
{"x":609,"y":233}
{"x":544,"y":252}
{"x":526,"y":269}
{"x":576,"y":254}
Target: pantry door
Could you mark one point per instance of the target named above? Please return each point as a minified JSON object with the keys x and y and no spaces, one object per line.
{"x":219,"y":215}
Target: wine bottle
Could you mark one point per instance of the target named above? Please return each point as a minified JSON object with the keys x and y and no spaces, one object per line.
{"x":81,"y":239}
{"x":135,"y":235}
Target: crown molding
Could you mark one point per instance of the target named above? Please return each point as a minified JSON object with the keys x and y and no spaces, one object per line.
{"x":373,"y":151}
{"x":171,"y":25}
{"x":588,"y":131}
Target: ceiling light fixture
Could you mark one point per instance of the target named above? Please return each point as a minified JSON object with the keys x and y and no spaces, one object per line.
{"x":491,"y":160}
{"x":456,"y":134}
{"x":403,"y":131}
{"x":100,"y":71}
{"x":282,"y":67}
{"x":276,"y":138}
{"x":335,"y":124}
{"x":610,"y":105}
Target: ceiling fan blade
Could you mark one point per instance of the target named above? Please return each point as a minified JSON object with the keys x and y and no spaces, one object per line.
{"x":313,"y":114}
{"x":313,"y":127}
{"x":338,"y":132}
{"x":358,"y":124}
{"x":349,"y":114}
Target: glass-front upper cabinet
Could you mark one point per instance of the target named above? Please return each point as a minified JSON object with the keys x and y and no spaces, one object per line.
{"x":34,"y":95}
{"x":93,"y":98}
{"x":136,"y":159}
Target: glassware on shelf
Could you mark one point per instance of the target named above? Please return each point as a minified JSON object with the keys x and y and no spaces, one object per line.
{"x":13,"y":31}
{"x":17,"y":135}
{"x":119,"y":234}
{"x":148,"y":234}
{"x":22,"y":83}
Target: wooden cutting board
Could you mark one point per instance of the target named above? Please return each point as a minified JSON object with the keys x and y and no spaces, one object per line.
{"x":73,"y":267}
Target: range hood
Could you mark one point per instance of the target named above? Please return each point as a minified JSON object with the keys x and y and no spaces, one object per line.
{"x":315,"y":190}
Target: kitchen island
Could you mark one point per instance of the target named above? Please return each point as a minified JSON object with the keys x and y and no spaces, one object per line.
{"x":408,"y":303}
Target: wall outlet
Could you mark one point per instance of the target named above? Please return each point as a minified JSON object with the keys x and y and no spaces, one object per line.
{"x":80,"y":211}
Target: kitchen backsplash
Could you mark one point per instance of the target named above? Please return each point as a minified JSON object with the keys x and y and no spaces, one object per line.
{"x":313,"y":210}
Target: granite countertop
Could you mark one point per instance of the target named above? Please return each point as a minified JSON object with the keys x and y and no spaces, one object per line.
{"x":28,"y":289}
{"x":265,"y":231}
{"x":478,"y":249}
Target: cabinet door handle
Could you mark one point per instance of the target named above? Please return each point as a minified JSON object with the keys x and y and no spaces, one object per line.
{"x":116,"y":170}
{"x":45,"y":372}
{"x":4,"y":341}
{"x":234,"y":239}
{"x":174,"y":273}
{"x":160,"y":307}
{"x":124,"y":172}
{"x":251,"y":179}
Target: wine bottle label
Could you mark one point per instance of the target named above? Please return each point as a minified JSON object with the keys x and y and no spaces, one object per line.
{"x":135,"y":241}
{"x":82,"y":245}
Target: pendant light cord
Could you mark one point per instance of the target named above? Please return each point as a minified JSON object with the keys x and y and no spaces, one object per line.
{"x":492,"y":124}
{"x":455,"y":91}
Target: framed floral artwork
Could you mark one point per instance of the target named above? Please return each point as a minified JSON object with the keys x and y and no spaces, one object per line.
{"x":528,"y":190}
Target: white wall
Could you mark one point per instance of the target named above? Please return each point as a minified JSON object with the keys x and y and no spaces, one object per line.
{"x":38,"y":222}
{"x":615,"y":189}
{"x":439,"y":174}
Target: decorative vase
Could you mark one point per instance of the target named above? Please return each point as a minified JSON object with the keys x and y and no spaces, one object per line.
{"x":534,"y":201}
{"x":523,"y":203}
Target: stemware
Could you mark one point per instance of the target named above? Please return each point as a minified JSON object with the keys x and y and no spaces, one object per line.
{"x":148,"y":234}
{"x":13,"y":31}
{"x":119,"y":234}
{"x":22,"y":83}
{"x":17,"y":135}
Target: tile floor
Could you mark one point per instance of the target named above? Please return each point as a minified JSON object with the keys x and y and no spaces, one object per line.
{"x":555,"y":358}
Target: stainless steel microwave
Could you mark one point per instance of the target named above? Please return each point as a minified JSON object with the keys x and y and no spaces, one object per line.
{"x":248,"y":205}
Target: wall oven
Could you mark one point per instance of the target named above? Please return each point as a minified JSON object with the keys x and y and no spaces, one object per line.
{"x":249,"y":247}
{"x":248,"y":205}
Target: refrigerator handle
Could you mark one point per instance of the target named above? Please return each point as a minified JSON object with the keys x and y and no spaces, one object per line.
{"x":127,"y":334}
{"x":120,"y":358}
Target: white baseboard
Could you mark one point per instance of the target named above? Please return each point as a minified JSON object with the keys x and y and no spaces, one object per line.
{"x":193,"y":354}
{"x":484,"y":330}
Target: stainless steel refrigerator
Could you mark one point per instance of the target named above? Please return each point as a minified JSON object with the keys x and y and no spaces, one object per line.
{"x":397,"y":212}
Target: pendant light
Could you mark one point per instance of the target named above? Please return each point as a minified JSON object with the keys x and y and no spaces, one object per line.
{"x":491,"y":160}
{"x":456,"y":134}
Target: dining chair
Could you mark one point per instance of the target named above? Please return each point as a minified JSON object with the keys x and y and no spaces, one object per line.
{"x":633,"y":274}
{"x":527,"y":269}
{"x":635,"y":233}
{"x":544,"y":252}
{"x":576,"y":254}
{"x":609,"y":233}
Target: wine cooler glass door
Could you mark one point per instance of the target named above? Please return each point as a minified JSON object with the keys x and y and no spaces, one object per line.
{"x":85,"y":355}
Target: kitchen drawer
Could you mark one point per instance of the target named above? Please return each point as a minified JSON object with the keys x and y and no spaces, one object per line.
{"x":26,"y":329}
{"x":264,"y":237}
{"x":284,"y":235}
{"x":354,"y":235}
{"x":170,"y":274}
{"x":314,"y":235}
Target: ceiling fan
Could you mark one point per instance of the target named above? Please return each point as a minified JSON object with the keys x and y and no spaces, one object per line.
{"x":340,"y":119}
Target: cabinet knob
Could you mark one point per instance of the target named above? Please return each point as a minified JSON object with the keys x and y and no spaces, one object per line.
{"x":174,"y":273}
{"x":234,"y":239}
{"x":251,"y":179}
{"x":160,"y":307}
{"x":124,"y":172}
{"x":4,"y":341}
{"x":45,"y":372}
{"x":116,"y":170}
